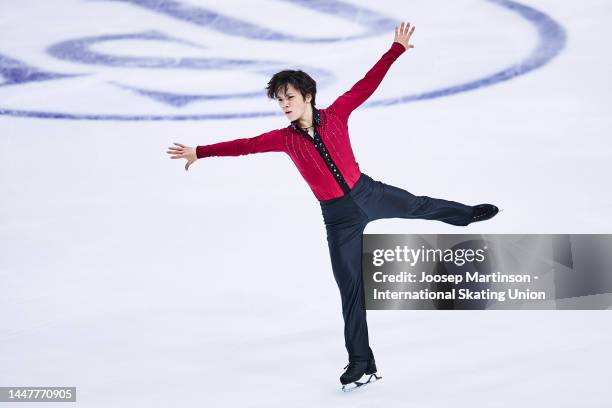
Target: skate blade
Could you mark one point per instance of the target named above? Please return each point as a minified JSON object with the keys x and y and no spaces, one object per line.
{"x":362,"y":382}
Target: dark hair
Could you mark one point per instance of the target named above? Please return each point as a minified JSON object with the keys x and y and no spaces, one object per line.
{"x":298,"y":79}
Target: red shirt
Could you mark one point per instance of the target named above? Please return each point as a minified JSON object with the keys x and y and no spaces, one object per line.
{"x":331,"y":124}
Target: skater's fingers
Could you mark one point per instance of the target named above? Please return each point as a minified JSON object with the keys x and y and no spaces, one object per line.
{"x":178,"y":144}
{"x":180,"y":149}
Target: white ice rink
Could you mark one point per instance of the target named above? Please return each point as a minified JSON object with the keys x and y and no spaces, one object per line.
{"x":145,"y":285}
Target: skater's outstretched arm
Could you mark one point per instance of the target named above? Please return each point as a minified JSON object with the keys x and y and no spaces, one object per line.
{"x":366,"y":86}
{"x":271,"y":141}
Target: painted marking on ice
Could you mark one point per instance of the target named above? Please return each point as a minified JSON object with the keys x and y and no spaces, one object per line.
{"x":551,"y":41}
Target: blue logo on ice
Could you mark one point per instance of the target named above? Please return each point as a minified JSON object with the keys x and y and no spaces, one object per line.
{"x":551,"y":40}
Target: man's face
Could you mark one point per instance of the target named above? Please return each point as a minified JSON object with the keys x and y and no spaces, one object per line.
{"x":291,"y":102}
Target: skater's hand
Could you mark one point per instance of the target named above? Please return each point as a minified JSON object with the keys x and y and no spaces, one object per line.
{"x":403,"y":34}
{"x":183,"y":152}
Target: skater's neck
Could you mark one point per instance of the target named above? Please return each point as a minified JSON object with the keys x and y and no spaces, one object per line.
{"x":305,"y":121}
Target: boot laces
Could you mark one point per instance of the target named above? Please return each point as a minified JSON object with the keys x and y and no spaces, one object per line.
{"x":351,"y":364}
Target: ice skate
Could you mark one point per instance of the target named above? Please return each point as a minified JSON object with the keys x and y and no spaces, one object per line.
{"x":359,"y":374}
{"x":484,"y":212}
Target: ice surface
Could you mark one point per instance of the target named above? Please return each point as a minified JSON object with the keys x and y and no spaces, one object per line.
{"x":144,"y":285}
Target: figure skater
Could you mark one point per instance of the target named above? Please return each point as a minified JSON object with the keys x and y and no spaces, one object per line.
{"x":317,"y":141}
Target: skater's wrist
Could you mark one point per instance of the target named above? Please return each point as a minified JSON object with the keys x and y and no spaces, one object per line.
{"x":200,"y":152}
{"x":399,"y":46}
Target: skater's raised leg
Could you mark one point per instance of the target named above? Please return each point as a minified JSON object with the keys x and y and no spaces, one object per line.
{"x":387,"y":201}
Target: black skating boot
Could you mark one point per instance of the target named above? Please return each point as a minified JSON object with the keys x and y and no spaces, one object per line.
{"x":484,"y":212}
{"x":371,"y":367}
{"x":358,"y":374}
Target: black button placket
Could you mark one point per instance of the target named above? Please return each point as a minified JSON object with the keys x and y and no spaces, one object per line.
{"x":322,"y":149}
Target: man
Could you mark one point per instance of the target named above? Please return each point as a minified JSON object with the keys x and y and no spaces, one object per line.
{"x":317,"y":140}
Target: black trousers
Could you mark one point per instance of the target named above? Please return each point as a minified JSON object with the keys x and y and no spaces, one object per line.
{"x":345,"y":220}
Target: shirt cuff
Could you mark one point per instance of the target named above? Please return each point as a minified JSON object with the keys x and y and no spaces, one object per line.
{"x":201,"y":152}
{"x":398,"y":47}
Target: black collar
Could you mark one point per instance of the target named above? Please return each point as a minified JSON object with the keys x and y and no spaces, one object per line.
{"x":316,"y":116}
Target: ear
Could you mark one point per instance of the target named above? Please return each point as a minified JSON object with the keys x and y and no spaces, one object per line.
{"x":308,"y":98}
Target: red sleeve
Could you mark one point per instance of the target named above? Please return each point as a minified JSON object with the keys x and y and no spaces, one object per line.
{"x":366,"y":86}
{"x":272,"y":141}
